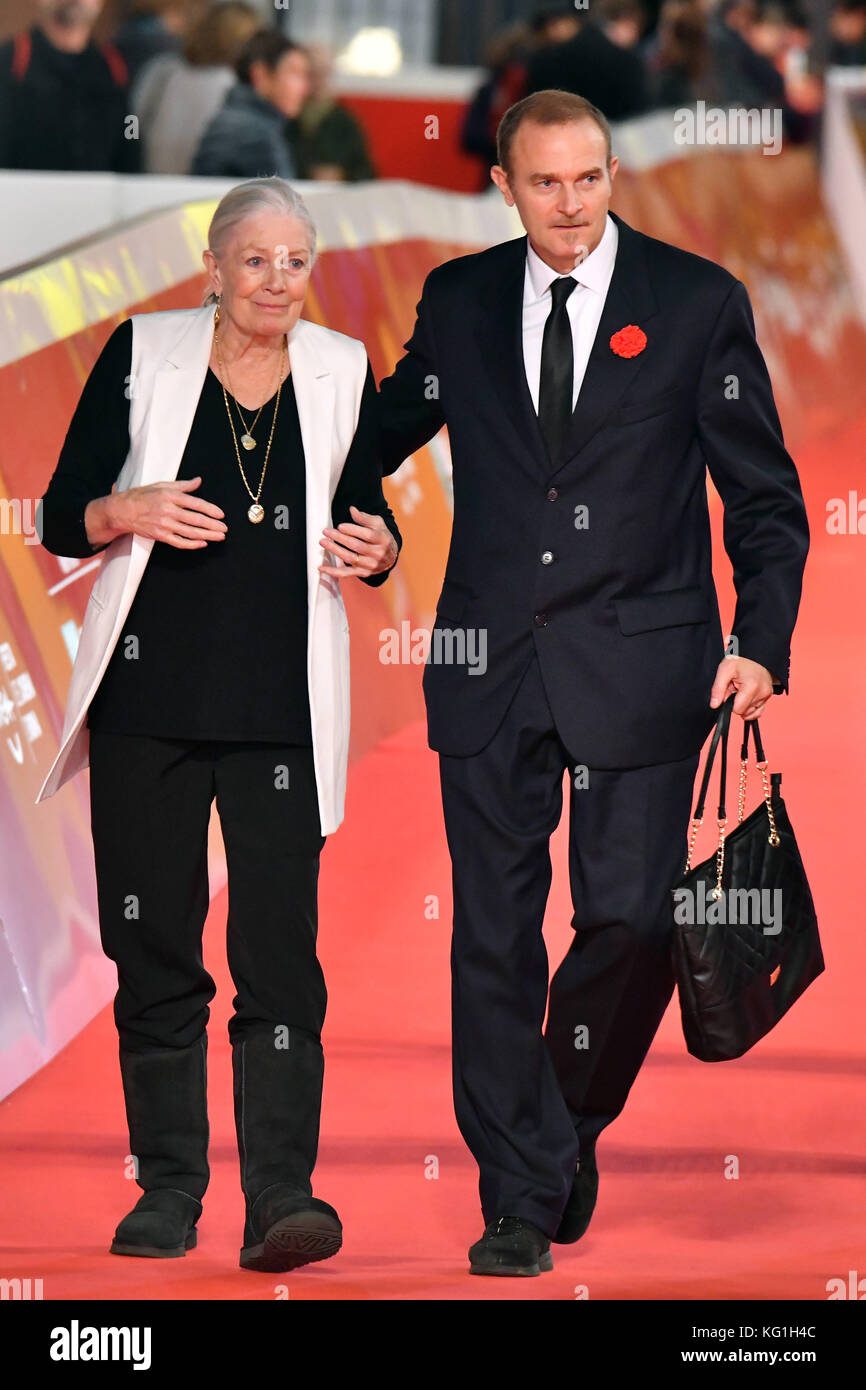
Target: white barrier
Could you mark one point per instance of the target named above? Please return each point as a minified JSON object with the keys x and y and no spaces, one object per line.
{"x":47,"y":212}
{"x":843,"y":175}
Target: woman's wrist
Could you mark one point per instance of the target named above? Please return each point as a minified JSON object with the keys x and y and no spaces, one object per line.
{"x":101,"y":521}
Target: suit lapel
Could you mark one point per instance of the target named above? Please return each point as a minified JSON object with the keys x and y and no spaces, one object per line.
{"x":499,"y":332}
{"x":630,"y":300}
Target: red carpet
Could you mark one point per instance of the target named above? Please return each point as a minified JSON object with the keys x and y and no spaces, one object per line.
{"x":669,"y":1224}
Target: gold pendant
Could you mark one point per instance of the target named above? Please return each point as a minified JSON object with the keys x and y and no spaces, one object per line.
{"x":256,"y":512}
{"x":248,"y":441}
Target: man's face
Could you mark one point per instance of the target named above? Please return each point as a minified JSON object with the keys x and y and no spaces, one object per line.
{"x":741,"y":18}
{"x":560,"y":29}
{"x":848,"y":26}
{"x":561,"y":186}
{"x":769,"y":37}
{"x":69,"y":14}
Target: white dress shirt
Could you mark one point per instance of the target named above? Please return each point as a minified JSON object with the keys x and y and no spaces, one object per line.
{"x":584,"y":307}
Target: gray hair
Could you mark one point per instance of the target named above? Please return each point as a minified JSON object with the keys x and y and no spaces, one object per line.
{"x":247,"y":199}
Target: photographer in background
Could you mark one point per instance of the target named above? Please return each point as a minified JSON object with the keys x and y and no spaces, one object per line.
{"x":64,"y":99}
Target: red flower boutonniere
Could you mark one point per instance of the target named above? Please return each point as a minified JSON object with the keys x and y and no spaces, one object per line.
{"x":629,"y":341}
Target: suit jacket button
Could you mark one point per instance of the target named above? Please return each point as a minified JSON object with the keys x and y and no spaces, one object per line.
{"x":540,"y":620}
{"x":552,"y":494}
{"x":547,"y":557}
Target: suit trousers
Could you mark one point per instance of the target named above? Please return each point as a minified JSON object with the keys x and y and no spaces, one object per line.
{"x":150,"y":801}
{"x":529,"y":1102}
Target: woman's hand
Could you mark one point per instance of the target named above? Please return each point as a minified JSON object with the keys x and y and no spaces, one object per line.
{"x":366,"y":545}
{"x":165,"y":511}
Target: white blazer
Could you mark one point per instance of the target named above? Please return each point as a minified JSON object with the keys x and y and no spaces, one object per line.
{"x":170,"y":354}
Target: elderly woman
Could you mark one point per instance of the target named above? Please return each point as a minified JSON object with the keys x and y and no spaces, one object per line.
{"x":215,"y":454}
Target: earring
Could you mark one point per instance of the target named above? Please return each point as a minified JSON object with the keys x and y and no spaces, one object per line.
{"x":216,"y":316}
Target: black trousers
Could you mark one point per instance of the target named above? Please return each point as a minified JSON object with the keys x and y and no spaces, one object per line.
{"x":150,"y":804}
{"x":527,"y":1102}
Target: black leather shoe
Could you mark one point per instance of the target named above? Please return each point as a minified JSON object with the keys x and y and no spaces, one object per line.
{"x":286,"y":1228}
{"x":581,"y":1203}
{"x":161,"y":1226}
{"x":511,"y":1246}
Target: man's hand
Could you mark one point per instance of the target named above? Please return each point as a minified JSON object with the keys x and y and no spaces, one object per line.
{"x":366,"y":545}
{"x":751,"y":681}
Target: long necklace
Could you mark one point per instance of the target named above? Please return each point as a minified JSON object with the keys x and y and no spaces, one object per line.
{"x":256,"y":511}
{"x":247,"y":437}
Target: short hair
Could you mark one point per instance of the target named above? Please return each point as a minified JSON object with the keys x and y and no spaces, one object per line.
{"x":548,"y":107}
{"x":251,"y":197}
{"x":266,"y":46}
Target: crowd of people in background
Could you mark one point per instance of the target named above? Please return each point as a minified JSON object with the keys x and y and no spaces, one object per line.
{"x":214,"y":91}
{"x":631,"y":57}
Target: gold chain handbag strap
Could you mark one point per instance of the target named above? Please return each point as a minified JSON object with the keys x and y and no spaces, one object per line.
{"x":720,"y":734}
{"x":744,"y":777}
{"x":761,"y":765}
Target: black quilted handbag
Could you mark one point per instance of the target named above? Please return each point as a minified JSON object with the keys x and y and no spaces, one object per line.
{"x":745,"y":942}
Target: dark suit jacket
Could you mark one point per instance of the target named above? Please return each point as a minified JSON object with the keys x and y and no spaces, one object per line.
{"x":624,"y":617}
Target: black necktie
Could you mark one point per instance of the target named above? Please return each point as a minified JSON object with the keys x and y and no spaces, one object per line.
{"x":556,"y":386}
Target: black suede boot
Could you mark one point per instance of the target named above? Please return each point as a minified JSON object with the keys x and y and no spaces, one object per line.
{"x":165,"y":1090}
{"x":278,"y":1098}
{"x":581,"y":1202}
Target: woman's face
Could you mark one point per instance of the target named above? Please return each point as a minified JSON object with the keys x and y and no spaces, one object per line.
{"x":287,"y":85}
{"x":263,"y":275}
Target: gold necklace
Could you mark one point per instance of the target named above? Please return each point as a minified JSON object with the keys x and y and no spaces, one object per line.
{"x":247,"y":437}
{"x":256,"y":511}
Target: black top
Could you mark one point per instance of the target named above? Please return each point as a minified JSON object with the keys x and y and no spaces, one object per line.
{"x":67,"y":111}
{"x":215,"y":642}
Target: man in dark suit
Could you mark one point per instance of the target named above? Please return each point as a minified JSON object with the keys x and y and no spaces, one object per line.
{"x":589,"y":376}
